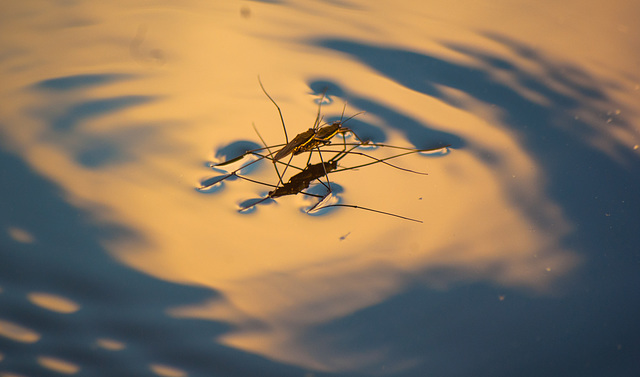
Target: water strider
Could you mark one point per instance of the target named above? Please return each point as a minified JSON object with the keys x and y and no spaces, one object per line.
{"x":301,"y":181}
{"x":308,"y":141}
{"x":315,"y":139}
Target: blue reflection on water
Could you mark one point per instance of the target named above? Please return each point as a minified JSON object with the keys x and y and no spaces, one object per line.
{"x":421,"y":135}
{"x":74,"y":82}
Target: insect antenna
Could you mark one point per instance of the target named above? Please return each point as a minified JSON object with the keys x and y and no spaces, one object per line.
{"x":344,"y":108}
{"x":318,"y":120}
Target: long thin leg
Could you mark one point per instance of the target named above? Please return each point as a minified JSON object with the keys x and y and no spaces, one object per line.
{"x":287,"y":166}
{"x":334,"y":159}
{"x":328,"y":185}
{"x":238,"y":158}
{"x":269,"y":197}
{"x":373,"y":210}
{"x":277,"y":107}
{"x":326,"y":175}
{"x":344,"y":152}
{"x":275,"y":166}
{"x":383,"y":160}
{"x":214,"y":180}
{"x":344,"y":149}
{"x":321,"y":197}
{"x":316,"y":124}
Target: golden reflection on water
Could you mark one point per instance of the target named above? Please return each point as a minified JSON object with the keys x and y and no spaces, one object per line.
{"x":18,"y":333}
{"x":280,"y":271}
{"x":20,"y":235}
{"x":53,"y":302}
{"x":58,"y":365}
{"x":110,"y":344}
{"x":167,"y":371}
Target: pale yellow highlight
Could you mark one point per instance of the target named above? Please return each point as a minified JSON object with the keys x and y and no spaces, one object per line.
{"x":58,"y":365}
{"x":18,"y":333}
{"x":53,"y":302}
{"x":167,"y":371}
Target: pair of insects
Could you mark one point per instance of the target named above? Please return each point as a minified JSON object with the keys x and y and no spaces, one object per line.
{"x":316,"y":139}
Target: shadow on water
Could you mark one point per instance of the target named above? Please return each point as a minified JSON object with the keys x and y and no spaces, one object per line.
{"x":420,"y":135}
{"x":63,"y":256}
{"x":468,"y":330}
{"x":69,"y":112}
{"x":74,"y":82}
{"x":77,"y":114}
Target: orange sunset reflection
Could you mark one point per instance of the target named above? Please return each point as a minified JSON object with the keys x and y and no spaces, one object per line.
{"x":128,"y":133}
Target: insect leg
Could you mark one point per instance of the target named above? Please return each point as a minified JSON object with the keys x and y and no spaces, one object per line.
{"x":373,"y":210}
{"x":275,"y":166}
{"x":277,"y":107}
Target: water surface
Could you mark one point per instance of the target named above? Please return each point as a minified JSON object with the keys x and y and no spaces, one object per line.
{"x":526,"y":262}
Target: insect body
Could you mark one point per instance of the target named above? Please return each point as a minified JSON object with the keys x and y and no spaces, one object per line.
{"x":295,"y":146}
{"x":323,"y":135}
{"x":315,"y":137}
{"x":302,"y":180}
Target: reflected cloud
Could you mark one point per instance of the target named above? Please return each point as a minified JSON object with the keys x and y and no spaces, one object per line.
{"x":53,"y":302}
{"x":541,"y":97}
{"x":420,"y":134}
{"x":110,"y":344}
{"x":167,"y":371}
{"x":81,"y":112}
{"x":58,"y":365}
{"x":77,"y":82}
{"x":18,"y":333}
{"x":73,"y":115}
{"x":20,"y":235}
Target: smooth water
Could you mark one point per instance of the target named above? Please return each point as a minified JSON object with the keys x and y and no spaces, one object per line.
{"x":527,"y":262}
